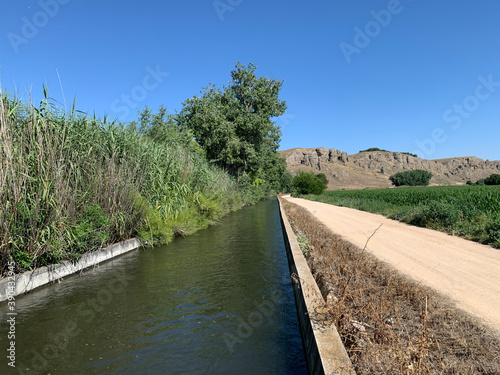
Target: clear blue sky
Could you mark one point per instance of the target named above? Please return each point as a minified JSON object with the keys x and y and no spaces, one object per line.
{"x":420,"y":76}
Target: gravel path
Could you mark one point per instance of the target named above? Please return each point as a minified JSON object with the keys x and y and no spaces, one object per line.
{"x":465,"y":271}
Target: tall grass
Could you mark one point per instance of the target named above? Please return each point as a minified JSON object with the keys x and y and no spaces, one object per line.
{"x":70,"y":183}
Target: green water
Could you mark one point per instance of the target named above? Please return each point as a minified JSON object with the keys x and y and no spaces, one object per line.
{"x":217,"y":302}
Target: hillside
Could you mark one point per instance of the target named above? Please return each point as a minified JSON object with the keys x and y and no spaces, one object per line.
{"x":372,"y":169}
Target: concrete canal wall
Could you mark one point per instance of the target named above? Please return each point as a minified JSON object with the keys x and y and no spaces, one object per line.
{"x":325,"y":353}
{"x":27,"y":281}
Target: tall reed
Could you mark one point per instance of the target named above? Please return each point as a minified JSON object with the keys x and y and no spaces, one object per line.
{"x":70,"y":183}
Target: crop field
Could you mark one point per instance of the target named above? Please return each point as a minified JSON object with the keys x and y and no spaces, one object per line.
{"x":472,"y":212}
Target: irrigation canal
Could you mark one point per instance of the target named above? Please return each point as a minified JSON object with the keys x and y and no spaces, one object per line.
{"x":217,"y":302}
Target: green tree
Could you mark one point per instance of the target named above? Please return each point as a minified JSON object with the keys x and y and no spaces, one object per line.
{"x":165,"y":128}
{"x":235,"y":128}
{"x":494,"y":179}
{"x":417,"y":177}
{"x":310,"y":183}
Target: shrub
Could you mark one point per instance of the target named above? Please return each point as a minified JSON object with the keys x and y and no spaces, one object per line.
{"x":372,"y":149}
{"x":417,"y":177}
{"x":493,"y":231}
{"x":409,"y":153}
{"x":494,"y":179}
{"x":310,"y":183}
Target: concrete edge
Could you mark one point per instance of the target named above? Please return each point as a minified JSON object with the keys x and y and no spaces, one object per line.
{"x":325,"y":353}
{"x":30,"y":280}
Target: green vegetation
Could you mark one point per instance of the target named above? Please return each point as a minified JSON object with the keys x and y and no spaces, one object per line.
{"x":309,"y":183}
{"x":409,"y":153}
{"x":472,"y":212}
{"x":234,"y":126}
{"x":372,"y":149}
{"x":417,"y":177}
{"x":493,"y":179}
{"x":303,"y":243}
{"x":70,"y":183}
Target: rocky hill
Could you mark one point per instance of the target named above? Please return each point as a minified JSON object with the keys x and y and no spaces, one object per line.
{"x":373,"y":169}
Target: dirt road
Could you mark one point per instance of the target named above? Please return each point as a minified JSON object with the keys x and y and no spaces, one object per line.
{"x":467,"y":272}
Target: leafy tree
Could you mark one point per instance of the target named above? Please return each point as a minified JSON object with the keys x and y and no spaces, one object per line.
{"x":323,"y":179}
{"x":165,"y":128}
{"x":235,"y":128}
{"x":417,"y":177}
{"x":494,"y":179}
{"x":310,"y":183}
{"x":286,"y":182}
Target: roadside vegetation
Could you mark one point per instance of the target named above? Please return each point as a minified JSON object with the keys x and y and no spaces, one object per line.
{"x":72,"y":183}
{"x":388,"y":323}
{"x":472,"y":212}
{"x":309,"y":183}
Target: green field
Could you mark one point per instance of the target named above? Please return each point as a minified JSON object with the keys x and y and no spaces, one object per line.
{"x":472,"y":212}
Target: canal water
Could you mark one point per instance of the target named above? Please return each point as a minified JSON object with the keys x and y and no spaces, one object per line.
{"x":217,"y":302}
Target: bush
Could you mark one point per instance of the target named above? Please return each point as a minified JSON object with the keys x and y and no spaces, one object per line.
{"x":493,"y":231}
{"x":494,"y":179}
{"x":310,"y":183}
{"x":409,"y":153}
{"x":372,"y":149}
{"x":417,"y":177}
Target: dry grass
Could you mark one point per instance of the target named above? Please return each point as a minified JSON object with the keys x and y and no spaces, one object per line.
{"x":388,"y":323}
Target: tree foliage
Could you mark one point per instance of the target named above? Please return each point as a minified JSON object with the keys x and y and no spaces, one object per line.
{"x":164,"y":128}
{"x":235,"y":128}
{"x":417,"y":177}
{"x":494,"y":179}
{"x":310,"y":183}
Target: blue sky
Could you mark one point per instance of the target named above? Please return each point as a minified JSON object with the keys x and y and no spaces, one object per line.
{"x":412,"y":75}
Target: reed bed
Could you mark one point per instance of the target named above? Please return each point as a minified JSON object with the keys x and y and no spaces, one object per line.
{"x":71,"y":183}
